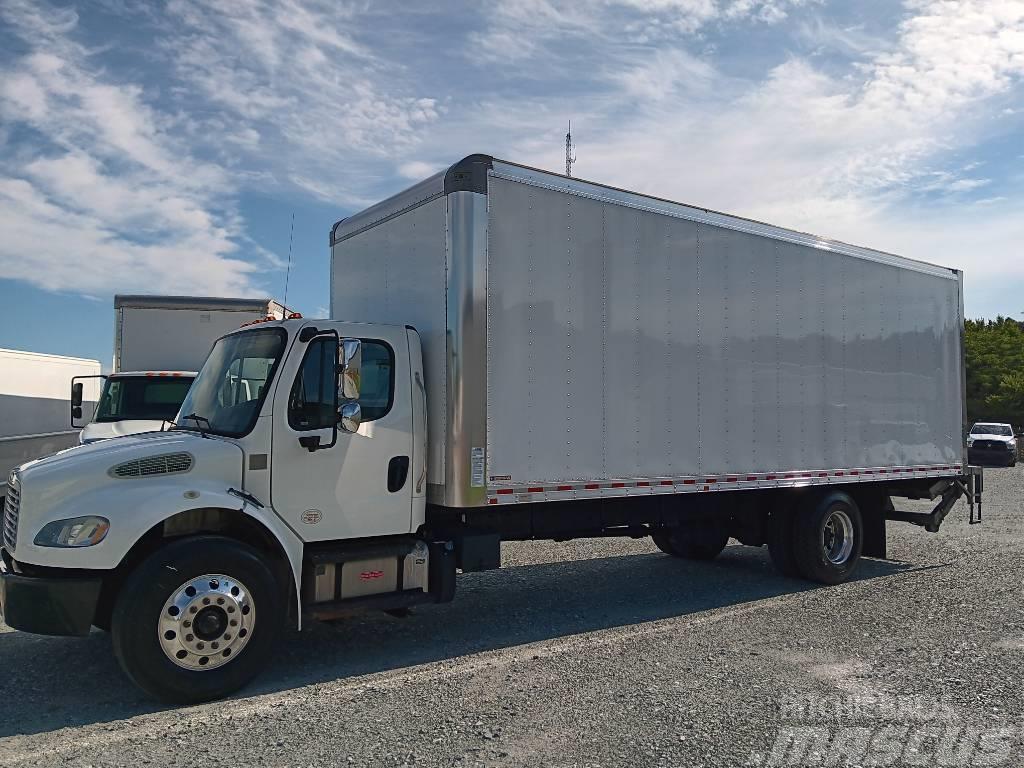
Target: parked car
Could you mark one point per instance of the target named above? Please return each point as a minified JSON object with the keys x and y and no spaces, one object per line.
{"x":992,"y":445}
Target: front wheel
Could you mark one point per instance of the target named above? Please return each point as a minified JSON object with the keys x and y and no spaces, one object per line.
{"x":197,"y":619}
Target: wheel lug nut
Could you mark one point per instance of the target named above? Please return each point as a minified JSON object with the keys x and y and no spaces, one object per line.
{"x":186,"y":623}
{"x":189,"y":638}
{"x":215,"y":645}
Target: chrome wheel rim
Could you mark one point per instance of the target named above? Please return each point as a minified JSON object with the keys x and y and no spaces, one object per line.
{"x":206,"y":622}
{"x":837,"y":537}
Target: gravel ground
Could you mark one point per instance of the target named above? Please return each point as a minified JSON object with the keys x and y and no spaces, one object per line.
{"x":597,"y":653}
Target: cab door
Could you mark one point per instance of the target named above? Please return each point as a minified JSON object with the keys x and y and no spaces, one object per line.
{"x":360,"y":486}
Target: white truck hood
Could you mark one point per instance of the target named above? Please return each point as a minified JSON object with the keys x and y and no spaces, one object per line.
{"x":131,"y":481}
{"x":104,"y":430}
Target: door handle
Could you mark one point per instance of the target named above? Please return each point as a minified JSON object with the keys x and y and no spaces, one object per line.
{"x":398,"y":471}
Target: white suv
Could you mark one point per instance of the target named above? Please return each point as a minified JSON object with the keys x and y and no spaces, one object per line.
{"x":992,"y":444}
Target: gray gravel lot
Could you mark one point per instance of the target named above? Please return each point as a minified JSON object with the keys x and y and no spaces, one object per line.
{"x":596,"y":652}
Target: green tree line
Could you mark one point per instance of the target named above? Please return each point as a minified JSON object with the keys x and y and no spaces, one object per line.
{"x":995,"y":371}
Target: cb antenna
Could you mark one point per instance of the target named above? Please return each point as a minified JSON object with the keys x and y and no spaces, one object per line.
{"x":288,"y":273}
{"x":570,"y":158}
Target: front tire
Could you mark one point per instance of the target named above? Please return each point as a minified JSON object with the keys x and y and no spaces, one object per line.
{"x":197,"y":619}
{"x":828,"y":535}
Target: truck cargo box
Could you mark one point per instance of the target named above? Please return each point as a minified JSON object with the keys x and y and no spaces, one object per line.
{"x":174,"y":333}
{"x":581,"y":340}
{"x":35,"y":408}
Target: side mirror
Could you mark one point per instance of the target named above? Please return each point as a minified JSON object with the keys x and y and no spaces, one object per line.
{"x":351,"y":355}
{"x":77,"y":390}
{"x":350,"y":416}
{"x":76,"y":412}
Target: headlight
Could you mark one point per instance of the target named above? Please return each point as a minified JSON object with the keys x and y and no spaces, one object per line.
{"x":970,"y":441}
{"x":76,"y":532}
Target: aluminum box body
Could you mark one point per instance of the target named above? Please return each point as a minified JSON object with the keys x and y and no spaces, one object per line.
{"x":580,"y":339}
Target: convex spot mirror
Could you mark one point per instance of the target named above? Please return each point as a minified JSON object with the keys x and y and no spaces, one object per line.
{"x":350,"y":416}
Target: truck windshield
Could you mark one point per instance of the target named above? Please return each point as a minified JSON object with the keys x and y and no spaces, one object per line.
{"x":141,"y":397}
{"x":991,"y":429}
{"x":230,"y":388}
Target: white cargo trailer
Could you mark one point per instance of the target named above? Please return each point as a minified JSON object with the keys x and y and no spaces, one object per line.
{"x":525,"y":356}
{"x":34,"y":405}
{"x":160,"y":342}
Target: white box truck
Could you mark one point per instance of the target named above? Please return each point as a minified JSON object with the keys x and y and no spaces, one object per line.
{"x":159,"y":344}
{"x":514,"y":355}
{"x":34,"y":405}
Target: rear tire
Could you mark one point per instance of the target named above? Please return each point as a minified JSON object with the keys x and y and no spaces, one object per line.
{"x":828,"y":536}
{"x":703,"y":542}
{"x":142,"y":637}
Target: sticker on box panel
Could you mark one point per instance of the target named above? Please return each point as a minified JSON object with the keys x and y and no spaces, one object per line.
{"x":477,"y":466}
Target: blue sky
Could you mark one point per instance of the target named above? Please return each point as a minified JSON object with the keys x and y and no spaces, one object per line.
{"x":163,"y":147}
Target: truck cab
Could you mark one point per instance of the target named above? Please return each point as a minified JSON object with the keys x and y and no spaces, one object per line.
{"x":132,"y":402}
{"x":293,"y":481}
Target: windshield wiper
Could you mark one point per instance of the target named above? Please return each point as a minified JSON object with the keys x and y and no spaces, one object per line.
{"x":199,"y":420}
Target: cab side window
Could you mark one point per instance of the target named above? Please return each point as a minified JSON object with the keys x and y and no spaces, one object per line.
{"x":377,"y":380}
{"x":311,"y":404}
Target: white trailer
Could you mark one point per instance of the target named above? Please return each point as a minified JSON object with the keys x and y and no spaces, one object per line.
{"x":34,"y":405}
{"x":526,"y":356}
{"x":160,"y":342}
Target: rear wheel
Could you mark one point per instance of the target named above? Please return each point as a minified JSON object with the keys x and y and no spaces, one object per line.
{"x":703,"y":542}
{"x":197,"y":619}
{"x":828,"y":536}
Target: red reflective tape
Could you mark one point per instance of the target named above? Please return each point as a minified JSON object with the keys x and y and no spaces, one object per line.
{"x":535,"y":489}
{"x":839,"y":474}
{"x":731,"y":479}
{"x":882,"y":471}
{"x":854,"y":472}
{"x":710,"y":479}
{"x":564,"y":488}
{"x":823,"y":474}
{"x":618,"y":485}
{"x":591,"y":486}
{"x":869,"y":472}
{"x":643,"y":484}
{"x":670,"y":482}
{"x":751,"y":478}
{"x":505,"y":491}
{"x":492,"y":501}
{"x":689,"y":482}
{"x":805,"y":474}
{"x":769,"y":477}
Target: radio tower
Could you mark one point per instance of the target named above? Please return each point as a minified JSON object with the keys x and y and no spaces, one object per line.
{"x":569,"y":157}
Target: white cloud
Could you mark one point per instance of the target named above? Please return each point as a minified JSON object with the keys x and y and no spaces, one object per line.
{"x":107,"y":199}
{"x":348,"y":102}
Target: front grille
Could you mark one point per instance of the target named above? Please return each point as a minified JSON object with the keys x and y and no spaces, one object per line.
{"x":991,"y":445}
{"x":168,"y":464}
{"x":11,"y":507}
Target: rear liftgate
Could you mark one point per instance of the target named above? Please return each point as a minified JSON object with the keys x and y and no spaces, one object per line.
{"x":970,"y":484}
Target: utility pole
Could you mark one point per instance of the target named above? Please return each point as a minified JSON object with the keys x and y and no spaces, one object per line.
{"x":570,"y":158}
